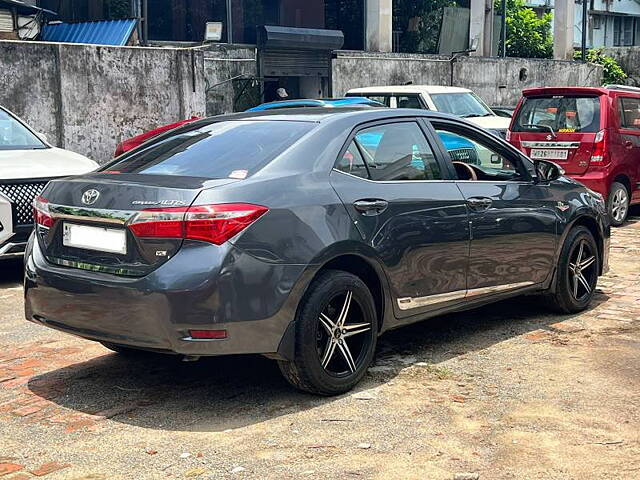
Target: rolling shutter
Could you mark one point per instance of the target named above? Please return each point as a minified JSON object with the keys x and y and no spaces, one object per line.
{"x":294,"y":63}
{"x":6,"y":21}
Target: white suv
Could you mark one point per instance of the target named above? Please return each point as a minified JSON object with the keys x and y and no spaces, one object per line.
{"x":27,"y":163}
{"x":454,"y":100}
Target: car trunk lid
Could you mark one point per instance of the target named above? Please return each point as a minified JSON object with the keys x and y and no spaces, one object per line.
{"x":91,"y":216}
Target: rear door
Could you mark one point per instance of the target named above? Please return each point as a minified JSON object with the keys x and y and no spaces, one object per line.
{"x":514,"y":220}
{"x":629,"y":157}
{"x":407,"y":209}
{"x":560,"y":128}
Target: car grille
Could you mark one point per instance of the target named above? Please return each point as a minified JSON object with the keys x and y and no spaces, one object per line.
{"x":21,"y":193}
{"x":466,"y":155}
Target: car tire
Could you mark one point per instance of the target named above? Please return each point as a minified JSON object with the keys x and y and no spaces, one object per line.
{"x":618,"y":204}
{"x":332,"y":350}
{"x":577,"y":273}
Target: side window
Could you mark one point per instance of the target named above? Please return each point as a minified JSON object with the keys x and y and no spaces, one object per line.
{"x":629,"y":112}
{"x":352,"y":162}
{"x":409,"y":101}
{"x":384,"y":99}
{"x":398,"y":151}
{"x":476,"y":159}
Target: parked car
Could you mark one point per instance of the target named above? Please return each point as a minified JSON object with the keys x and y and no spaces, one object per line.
{"x":27,"y":163}
{"x":592,"y":133}
{"x":506,"y":112}
{"x":303,"y":235}
{"x":138,"y":140}
{"x":461,"y":102}
{"x":323,"y":102}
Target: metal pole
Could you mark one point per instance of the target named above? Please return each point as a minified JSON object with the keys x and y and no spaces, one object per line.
{"x":503,"y":33}
{"x":584,"y":30}
{"x":229,"y":21}
{"x":145,"y":26}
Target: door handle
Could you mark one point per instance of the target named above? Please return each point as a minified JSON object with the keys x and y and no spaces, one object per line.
{"x":371,"y":207}
{"x":479,"y":204}
{"x":628,"y":144}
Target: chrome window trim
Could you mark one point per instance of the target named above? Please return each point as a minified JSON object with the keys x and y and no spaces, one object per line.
{"x":408,"y":303}
{"x":445,"y":180}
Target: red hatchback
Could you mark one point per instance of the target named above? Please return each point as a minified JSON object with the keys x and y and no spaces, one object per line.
{"x":592,"y":133}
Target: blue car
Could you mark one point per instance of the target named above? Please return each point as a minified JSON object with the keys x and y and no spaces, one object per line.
{"x":322,"y":102}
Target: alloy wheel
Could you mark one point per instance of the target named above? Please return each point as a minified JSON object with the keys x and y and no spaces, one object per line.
{"x":620,"y":205}
{"x":344,"y":335}
{"x":582,"y":270}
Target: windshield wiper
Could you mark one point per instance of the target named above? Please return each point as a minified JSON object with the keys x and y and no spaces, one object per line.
{"x":529,"y":125}
{"x":470,"y":115}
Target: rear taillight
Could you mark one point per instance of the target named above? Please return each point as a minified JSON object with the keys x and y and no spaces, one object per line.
{"x":209,"y":223}
{"x":41,"y":212}
{"x":599,"y":153}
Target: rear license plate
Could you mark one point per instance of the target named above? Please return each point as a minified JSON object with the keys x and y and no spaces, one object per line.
{"x":549,"y":154}
{"x":100,"y":239}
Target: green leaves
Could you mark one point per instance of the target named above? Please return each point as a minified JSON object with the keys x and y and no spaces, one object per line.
{"x":613,"y":72}
{"x":528,"y":35}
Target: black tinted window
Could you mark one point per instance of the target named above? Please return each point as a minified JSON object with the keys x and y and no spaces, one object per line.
{"x":630,"y":113}
{"x":398,"y":151}
{"x":562,"y":114}
{"x":218,"y":150}
{"x":352,"y":163}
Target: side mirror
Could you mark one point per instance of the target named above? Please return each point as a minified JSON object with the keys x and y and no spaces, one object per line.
{"x":547,"y":171}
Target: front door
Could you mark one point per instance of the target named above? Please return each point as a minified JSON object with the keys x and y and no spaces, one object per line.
{"x":629,"y":151}
{"x":513,"y":220}
{"x":408,"y":211}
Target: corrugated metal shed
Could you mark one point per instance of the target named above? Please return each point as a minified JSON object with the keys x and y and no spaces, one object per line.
{"x":106,"y":32}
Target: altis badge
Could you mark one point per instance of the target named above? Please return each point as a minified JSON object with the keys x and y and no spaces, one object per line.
{"x":163,"y":203}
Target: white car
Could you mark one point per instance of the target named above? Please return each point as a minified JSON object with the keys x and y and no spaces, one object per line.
{"x":461,"y":102}
{"x":27,"y":163}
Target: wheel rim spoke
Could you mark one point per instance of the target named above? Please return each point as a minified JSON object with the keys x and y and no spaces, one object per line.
{"x":355,"y":329}
{"x":331,"y":347}
{"x":345,"y":309}
{"x":588,"y":262}
{"x":584,"y":282}
{"x":346,"y":353}
{"x":580,"y":252}
{"x":328,"y":325}
{"x":575,"y":286}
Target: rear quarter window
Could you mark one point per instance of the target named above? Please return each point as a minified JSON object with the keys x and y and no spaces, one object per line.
{"x":564,"y":114}
{"x":219,"y":150}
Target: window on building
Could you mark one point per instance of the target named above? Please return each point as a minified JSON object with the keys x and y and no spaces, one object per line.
{"x":180,"y":21}
{"x":623,"y":31}
{"x":89,"y":10}
{"x":416,"y":24}
{"x":347,"y":16}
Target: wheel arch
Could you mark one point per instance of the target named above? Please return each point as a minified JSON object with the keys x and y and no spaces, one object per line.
{"x":624,"y":179}
{"x":591,"y":224}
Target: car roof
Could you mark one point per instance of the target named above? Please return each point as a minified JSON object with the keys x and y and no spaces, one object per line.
{"x":606,"y":90}
{"x":429,"y":89}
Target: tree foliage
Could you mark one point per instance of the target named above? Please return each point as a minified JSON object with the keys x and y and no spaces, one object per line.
{"x":528,"y":35}
{"x":613,"y":72}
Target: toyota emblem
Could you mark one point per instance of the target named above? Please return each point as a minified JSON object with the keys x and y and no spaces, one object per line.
{"x":90,"y":196}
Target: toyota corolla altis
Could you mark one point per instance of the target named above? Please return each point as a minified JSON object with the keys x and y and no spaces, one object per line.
{"x":303,"y":235}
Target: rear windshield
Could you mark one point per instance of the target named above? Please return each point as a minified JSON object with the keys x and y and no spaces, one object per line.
{"x":233,"y":149}
{"x":563,"y":114}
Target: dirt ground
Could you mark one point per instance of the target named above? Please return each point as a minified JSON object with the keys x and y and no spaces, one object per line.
{"x":508,"y":391}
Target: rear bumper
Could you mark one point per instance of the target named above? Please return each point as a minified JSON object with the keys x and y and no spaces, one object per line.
{"x":596,"y":181}
{"x":202,"y":287}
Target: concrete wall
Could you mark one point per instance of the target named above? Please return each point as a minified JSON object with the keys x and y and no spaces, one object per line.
{"x":221,"y":64}
{"x":498,"y":81}
{"x":629,"y":60}
{"x":88,"y":98}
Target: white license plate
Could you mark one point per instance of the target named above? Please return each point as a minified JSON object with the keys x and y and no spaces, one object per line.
{"x":100,"y":239}
{"x":549,"y":154}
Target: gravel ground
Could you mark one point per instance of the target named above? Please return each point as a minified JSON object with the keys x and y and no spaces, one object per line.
{"x":508,"y":391}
